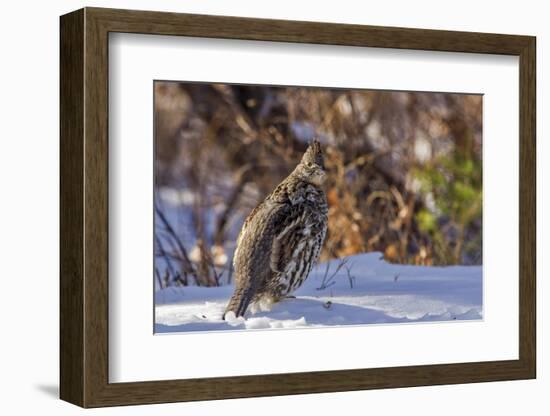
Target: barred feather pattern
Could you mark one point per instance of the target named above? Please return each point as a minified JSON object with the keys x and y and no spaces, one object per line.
{"x":282,"y":237}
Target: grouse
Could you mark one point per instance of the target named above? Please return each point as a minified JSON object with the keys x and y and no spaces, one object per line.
{"x":282,"y":237}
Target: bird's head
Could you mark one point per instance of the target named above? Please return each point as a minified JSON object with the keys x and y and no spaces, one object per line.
{"x":312,"y":166}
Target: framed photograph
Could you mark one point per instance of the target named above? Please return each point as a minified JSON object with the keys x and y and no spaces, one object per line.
{"x":256,"y":207}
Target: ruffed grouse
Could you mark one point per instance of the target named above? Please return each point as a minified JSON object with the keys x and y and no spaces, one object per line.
{"x":282,"y":237}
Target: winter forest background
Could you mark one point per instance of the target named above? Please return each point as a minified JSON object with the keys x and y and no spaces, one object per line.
{"x":404,"y":180}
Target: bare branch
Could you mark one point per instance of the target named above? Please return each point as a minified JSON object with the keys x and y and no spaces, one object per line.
{"x":329,"y":281}
{"x":187,"y":265}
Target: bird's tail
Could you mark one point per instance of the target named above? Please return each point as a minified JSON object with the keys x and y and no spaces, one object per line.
{"x":239,"y":301}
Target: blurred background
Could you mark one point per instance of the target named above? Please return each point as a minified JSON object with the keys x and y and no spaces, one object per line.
{"x":404,"y":172}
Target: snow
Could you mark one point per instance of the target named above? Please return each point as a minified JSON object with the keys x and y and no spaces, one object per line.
{"x":364,"y":290}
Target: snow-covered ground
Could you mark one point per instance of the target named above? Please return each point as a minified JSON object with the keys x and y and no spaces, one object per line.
{"x":366,"y":290}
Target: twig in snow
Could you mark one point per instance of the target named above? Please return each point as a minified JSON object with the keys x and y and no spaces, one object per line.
{"x":230,"y":273}
{"x":351,"y":278}
{"x":159,"y":279}
{"x":328,"y":281}
{"x":163,"y":253}
{"x":186,"y":263}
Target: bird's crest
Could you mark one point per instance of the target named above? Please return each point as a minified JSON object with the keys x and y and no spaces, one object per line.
{"x":314,"y":154}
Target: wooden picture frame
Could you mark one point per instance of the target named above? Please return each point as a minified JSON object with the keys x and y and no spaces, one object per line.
{"x":84,"y":207}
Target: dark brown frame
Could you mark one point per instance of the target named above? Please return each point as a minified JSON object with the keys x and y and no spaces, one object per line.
{"x":84,"y":209}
